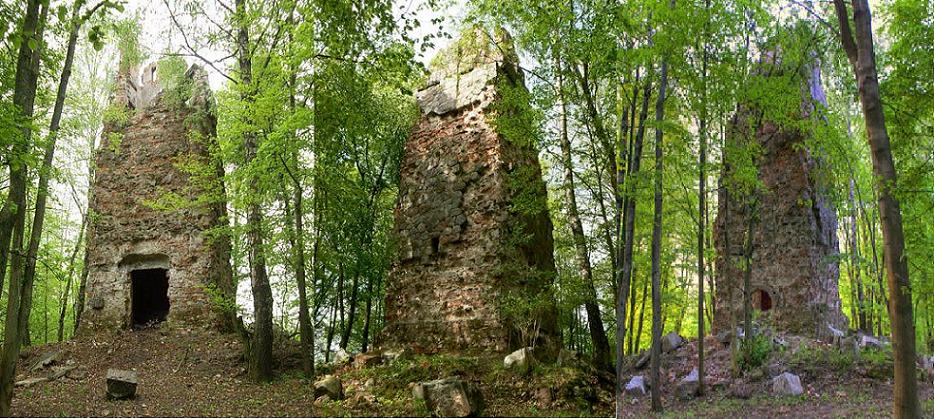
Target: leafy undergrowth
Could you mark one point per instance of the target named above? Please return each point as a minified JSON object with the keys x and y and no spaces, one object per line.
{"x":197,"y":372}
{"x":549,"y":390}
{"x":836,"y":383}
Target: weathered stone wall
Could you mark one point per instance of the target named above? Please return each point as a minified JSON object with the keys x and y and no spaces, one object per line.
{"x":459,"y":261}
{"x":795,"y":237}
{"x":139,"y":163}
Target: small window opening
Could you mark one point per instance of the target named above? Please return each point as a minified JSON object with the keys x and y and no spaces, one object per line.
{"x":435,"y":245}
{"x":761,"y":300}
{"x":150,"y":296}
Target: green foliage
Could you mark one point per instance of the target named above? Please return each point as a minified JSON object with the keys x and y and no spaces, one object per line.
{"x":127,"y":38}
{"x":176,"y":88}
{"x":753,"y":352}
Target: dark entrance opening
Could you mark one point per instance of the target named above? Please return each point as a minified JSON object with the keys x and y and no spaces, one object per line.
{"x":150,"y":296}
{"x":761,"y":300}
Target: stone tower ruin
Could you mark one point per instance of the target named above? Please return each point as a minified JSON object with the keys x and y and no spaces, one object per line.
{"x":794,"y":276}
{"x":473,"y":270}
{"x":154,"y":251}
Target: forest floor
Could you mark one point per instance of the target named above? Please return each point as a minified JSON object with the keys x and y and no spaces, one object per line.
{"x":836,"y":383}
{"x":197,"y":372}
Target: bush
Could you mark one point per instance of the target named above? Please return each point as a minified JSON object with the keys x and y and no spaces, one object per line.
{"x":753,"y":352}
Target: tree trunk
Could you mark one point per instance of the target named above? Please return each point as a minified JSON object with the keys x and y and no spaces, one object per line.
{"x":747,"y":272}
{"x":645,"y":297}
{"x":860,"y":51}
{"x":601,"y":344}
{"x":24,"y":96}
{"x":35,"y":235}
{"x":71,"y":274}
{"x":260,"y":350}
{"x":701,"y":220}
{"x":352,"y":311}
{"x":657,"y":242}
{"x":625,"y":272}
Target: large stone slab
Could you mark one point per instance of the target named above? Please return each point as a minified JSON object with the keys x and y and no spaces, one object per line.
{"x":121,"y":384}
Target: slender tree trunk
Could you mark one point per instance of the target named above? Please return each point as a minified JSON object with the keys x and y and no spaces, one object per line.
{"x":367,"y":316}
{"x":860,"y":51}
{"x":701,"y":220}
{"x":629,"y":224}
{"x":352,"y":312}
{"x":657,"y":242}
{"x":601,"y":344}
{"x":24,"y":96}
{"x":35,"y":236}
{"x":71,"y":274}
{"x":645,"y":297}
{"x":261,"y":345}
{"x":632,"y":318}
{"x":747,"y":272}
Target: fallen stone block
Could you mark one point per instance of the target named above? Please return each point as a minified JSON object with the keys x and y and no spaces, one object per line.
{"x":367,"y":360}
{"x":636,"y":386}
{"x":671,"y":342}
{"x":787,"y":384}
{"x":521,"y":361}
{"x":45,"y":360}
{"x":329,"y":386}
{"x":450,"y":397}
{"x":689,"y":385}
{"x":121,"y":384}
{"x":30,"y":381}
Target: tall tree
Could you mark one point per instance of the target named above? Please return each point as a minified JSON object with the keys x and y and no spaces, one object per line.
{"x":13,"y":220}
{"x":860,"y":50}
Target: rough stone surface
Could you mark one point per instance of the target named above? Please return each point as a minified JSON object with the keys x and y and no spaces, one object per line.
{"x":121,"y":384}
{"x":139,"y":164}
{"x":671,"y":342}
{"x":787,"y":384}
{"x":794,"y":265}
{"x":367,"y":360}
{"x":636,"y":386}
{"x":689,"y":385}
{"x":342,"y":357}
{"x":521,"y":360}
{"x":329,"y":386}
{"x":450,"y":397}
{"x":644,"y":359}
{"x":458,"y":265}
{"x":866,"y":341}
{"x":30,"y":381}
{"x":46,"y":359}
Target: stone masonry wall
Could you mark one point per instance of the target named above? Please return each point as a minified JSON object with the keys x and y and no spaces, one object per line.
{"x":138,"y":163}
{"x":795,"y":238}
{"x":456,"y":269}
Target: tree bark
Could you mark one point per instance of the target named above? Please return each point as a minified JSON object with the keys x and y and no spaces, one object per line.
{"x":24,"y":97}
{"x":624,"y":275}
{"x":657,"y":242}
{"x":701,"y":212}
{"x":860,"y":51}
{"x":601,"y":344}
{"x":260,"y":350}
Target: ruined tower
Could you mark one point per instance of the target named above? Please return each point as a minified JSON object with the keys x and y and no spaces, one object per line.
{"x":154,"y":249}
{"x":475,"y":257}
{"x":794,"y":276}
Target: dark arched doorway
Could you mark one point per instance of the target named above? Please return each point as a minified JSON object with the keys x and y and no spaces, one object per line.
{"x":761,"y":300}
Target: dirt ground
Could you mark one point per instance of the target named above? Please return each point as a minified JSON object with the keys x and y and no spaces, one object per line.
{"x":836,"y":385}
{"x":195,"y":372}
